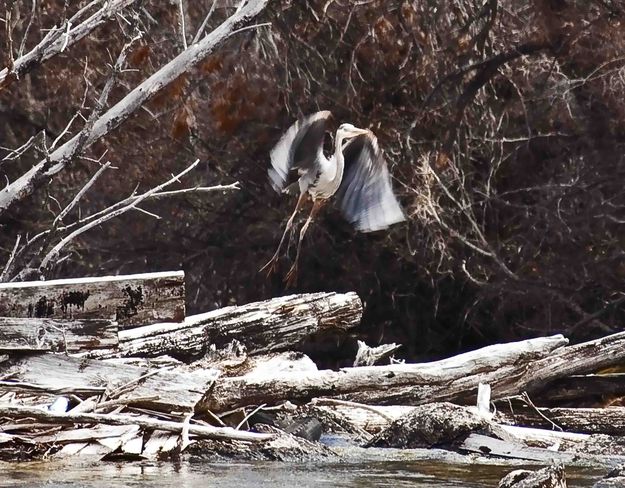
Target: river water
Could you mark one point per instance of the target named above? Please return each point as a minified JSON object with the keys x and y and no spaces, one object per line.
{"x":420,"y":474}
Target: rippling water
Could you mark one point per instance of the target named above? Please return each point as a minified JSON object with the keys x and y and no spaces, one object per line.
{"x":261,"y":474}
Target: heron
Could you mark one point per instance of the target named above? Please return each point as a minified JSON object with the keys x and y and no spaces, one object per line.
{"x":356,"y":172}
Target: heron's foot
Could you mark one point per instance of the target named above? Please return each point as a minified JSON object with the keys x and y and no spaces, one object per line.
{"x":271,"y":267}
{"x":291,"y":277}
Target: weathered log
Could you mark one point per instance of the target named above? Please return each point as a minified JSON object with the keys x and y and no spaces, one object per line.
{"x":610,"y":421}
{"x":583,"y":390}
{"x":485,"y":445}
{"x":19,"y":334}
{"x":271,"y":325}
{"x":614,"y":479}
{"x":394,"y":384}
{"x":130,"y":300}
{"x":586,"y":357}
{"x":370,"y":418}
{"x":163,"y":389}
{"x":206,"y":431}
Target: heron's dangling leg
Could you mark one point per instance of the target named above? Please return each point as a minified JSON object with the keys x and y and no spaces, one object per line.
{"x":271,"y":264}
{"x":291,"y":276}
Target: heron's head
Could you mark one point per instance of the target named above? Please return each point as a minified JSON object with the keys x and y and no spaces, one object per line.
{"x":347,"y":131}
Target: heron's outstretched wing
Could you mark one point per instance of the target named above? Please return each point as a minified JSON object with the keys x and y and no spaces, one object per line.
{"x":365,"y":195}
{"x":298,"y":148}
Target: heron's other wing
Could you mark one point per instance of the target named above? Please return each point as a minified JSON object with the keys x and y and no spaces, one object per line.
{"x":298,"y":148}
{"x":366,"y":196}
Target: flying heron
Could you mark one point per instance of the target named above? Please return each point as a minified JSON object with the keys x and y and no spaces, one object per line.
{"x":356,"y":172}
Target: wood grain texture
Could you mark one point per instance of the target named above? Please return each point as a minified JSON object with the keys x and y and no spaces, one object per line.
{"x":130,"y":300}
{"x":165,"y":389}
{"x":398,"y":384}
{"x":19,"y":334}
{"x":268,"y":326}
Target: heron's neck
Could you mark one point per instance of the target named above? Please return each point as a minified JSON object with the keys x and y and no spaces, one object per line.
{"x":340,"y":162}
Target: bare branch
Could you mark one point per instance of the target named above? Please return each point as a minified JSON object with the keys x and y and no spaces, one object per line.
{"x":28,"y":182}
{"x":59,"y":38}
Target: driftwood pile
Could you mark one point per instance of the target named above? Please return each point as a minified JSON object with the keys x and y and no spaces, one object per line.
{"x":111,"y":366}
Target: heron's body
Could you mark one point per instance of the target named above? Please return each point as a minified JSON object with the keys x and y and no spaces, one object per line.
{"x":356,"y":171}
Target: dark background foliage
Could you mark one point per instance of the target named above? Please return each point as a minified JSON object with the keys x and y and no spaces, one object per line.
{"x":503,"y":123}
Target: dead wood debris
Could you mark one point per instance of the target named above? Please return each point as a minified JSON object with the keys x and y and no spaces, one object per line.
{"x":245,"y":391}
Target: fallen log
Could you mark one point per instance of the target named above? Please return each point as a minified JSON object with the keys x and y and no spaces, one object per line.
{"x":583,"y":390}
{"x":164,"y":389}
{"x":262,"y":327}
{"x":394,"y":384}
{"x":19,"y":334}
{"x":586,"y":357}
{"x":130,"y":300}
{"x":206,"y":431}
{"x":610,"y":421}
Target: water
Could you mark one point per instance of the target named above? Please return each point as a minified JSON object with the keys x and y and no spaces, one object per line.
{"x":382,"y":474}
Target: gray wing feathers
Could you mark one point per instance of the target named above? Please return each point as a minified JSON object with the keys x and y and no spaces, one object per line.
{"x":366,"y":195}
{"x":298,"y":148}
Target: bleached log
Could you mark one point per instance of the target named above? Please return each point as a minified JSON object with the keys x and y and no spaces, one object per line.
{"x":160,"y":442}
{"x":482,"y":444}
{"x":394,"y":384}
{"x":130,"y":300}
{"x":586,"y":357}
{"x":163,"y":389}
{"x":85,"y":434}
{"x":206,"y":431}
{"x":370,"y":418}
{"x":19,"y":334}
{"x":271,"y":325}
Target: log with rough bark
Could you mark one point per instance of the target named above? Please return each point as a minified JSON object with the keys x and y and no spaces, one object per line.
{"x":394,"y":384}
{"x":509,"y":369}
{"x":130,"y":300}
{"x":610,"y":421}
{"x":18,"y":334}
{"x":271,"y":325}
{"x":583,"y":390}
{"x":583,"y":358}
{"x":164,"y":389}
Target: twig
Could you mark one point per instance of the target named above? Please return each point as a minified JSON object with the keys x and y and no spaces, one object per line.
{"x":200,"y":31}
{"x":79,"y":195}
{"x":183,"y":30}
{"x":9,"y":264}
{"x":249,"y":415}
